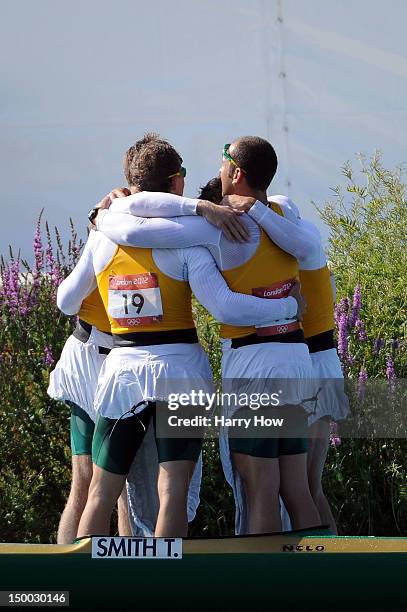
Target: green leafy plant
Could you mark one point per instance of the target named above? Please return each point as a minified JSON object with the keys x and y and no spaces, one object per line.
{"x":365,"y":479}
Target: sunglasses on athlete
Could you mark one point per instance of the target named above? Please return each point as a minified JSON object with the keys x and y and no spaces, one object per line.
{"x":228,"y":156}
{"x":181,"y":172}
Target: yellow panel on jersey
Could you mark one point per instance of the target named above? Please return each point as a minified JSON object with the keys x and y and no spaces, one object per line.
{"x":270,"y":273}
{"x":276,"y":207}
{"x":93,"y":312}
{"x":317,"y":290}
{"x":138,"y":296}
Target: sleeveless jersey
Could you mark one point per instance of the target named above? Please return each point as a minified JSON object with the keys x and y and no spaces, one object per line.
{"x":270,"y":273}
{"x":93,"y":311}
{"x":138,"y":296}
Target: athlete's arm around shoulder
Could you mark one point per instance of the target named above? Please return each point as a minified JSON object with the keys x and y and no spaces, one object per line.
{"x":155,"y":204}
{"x":81,"y":281}
{"x":173,"y":233}
{"x":146,"y":219}
{"x":227,"y":306}
{"x":287,"y":231}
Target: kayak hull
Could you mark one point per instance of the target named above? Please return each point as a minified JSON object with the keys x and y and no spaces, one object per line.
{"x":247,"y":572}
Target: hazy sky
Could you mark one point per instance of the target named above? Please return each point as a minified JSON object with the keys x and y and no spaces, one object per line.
{"x":81,"y":81}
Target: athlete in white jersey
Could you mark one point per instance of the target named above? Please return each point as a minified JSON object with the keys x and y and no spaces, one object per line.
{"x":130,"y":374}
{"x":195,"y":266}
{"x":74,"y":381}
{"x":332,"y":401}
{"x":189,"y":231}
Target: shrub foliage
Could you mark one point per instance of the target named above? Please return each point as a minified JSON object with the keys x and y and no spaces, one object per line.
{"x":365,"y":479}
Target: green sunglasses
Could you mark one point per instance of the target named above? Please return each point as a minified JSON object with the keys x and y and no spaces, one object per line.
{"x":181,"y":172}
{"x":228,"y":156}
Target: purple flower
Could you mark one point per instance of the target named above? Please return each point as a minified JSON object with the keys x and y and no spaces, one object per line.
{"x":343,"y":336}
{"x":390,"y":373}
{"x":362,"y":382}
{"x":48,"y":358}
{"x":73,"y":248}
{"x":49,"y":257}
{"x":378,"y":345}
{"x":356,"y":305}
{"x":11,"y":285}
{"x":360,"y":328}
{"x":38,"y":254}
{"x":56,"y":277}
{"x":395,"y":344}
{"x":334,"y":437}
{"x":342,"y":307}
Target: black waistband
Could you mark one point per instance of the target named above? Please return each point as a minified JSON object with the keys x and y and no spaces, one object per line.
{"x":293,"y":337}
{"x":103,"y":350}
{"x":82,"y":331}
{"x":173,"y":336}
{"x":321,"y":342}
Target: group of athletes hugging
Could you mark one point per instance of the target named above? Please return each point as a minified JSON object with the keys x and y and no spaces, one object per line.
{"x":149,"y":248}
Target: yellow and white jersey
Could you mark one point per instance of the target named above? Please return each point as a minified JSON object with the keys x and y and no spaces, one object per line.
{"x":138,"y":296}
{"x":93,"y":312}
{"x":124,"y":224}
{"x":102,"y":260}
{"x":130,"y":373}
{"x":315,"y":279}
{"x":269,"y":273}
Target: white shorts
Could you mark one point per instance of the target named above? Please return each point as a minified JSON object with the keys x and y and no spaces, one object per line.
{"x":76,"y":374}
{"x":130,"y":375}
{"x":270,"y":360}
{"x":332,"y":400}
{"x":276,"y":360}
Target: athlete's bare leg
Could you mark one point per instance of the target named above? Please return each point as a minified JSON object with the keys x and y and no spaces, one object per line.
{"x":123,"y":521}
{"x":104,"y":492}
{"x":261,"y":482}
{"x":173,"y":483}
{"x":295,"y":492}
{"x":82,"y":469}
{"x":318,"y":444}
{"x":81,"y":478}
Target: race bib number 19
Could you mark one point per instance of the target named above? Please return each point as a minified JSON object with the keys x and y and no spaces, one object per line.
{"x":135,"y":299}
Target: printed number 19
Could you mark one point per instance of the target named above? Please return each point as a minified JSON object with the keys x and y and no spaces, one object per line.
{"x":137,"y":301}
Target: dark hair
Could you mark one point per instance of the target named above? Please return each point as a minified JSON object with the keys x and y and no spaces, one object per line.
{"x":259,"y":160}
{"x":212,"y":191}
{"x":149,"y":162}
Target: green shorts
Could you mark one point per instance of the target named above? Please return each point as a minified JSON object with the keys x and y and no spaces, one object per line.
{"x":272,"y":447}
{"x":116,"y":442}
{"x":82,"y":428}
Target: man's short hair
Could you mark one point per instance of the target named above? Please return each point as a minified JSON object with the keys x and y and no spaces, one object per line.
{"x":258,"y":158}
{"x":212,"y":191}
{"x":149,"y":162}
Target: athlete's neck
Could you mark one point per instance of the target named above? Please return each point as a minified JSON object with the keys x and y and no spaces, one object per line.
{"x":251,"y":193}
{"x":134,"y":189}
